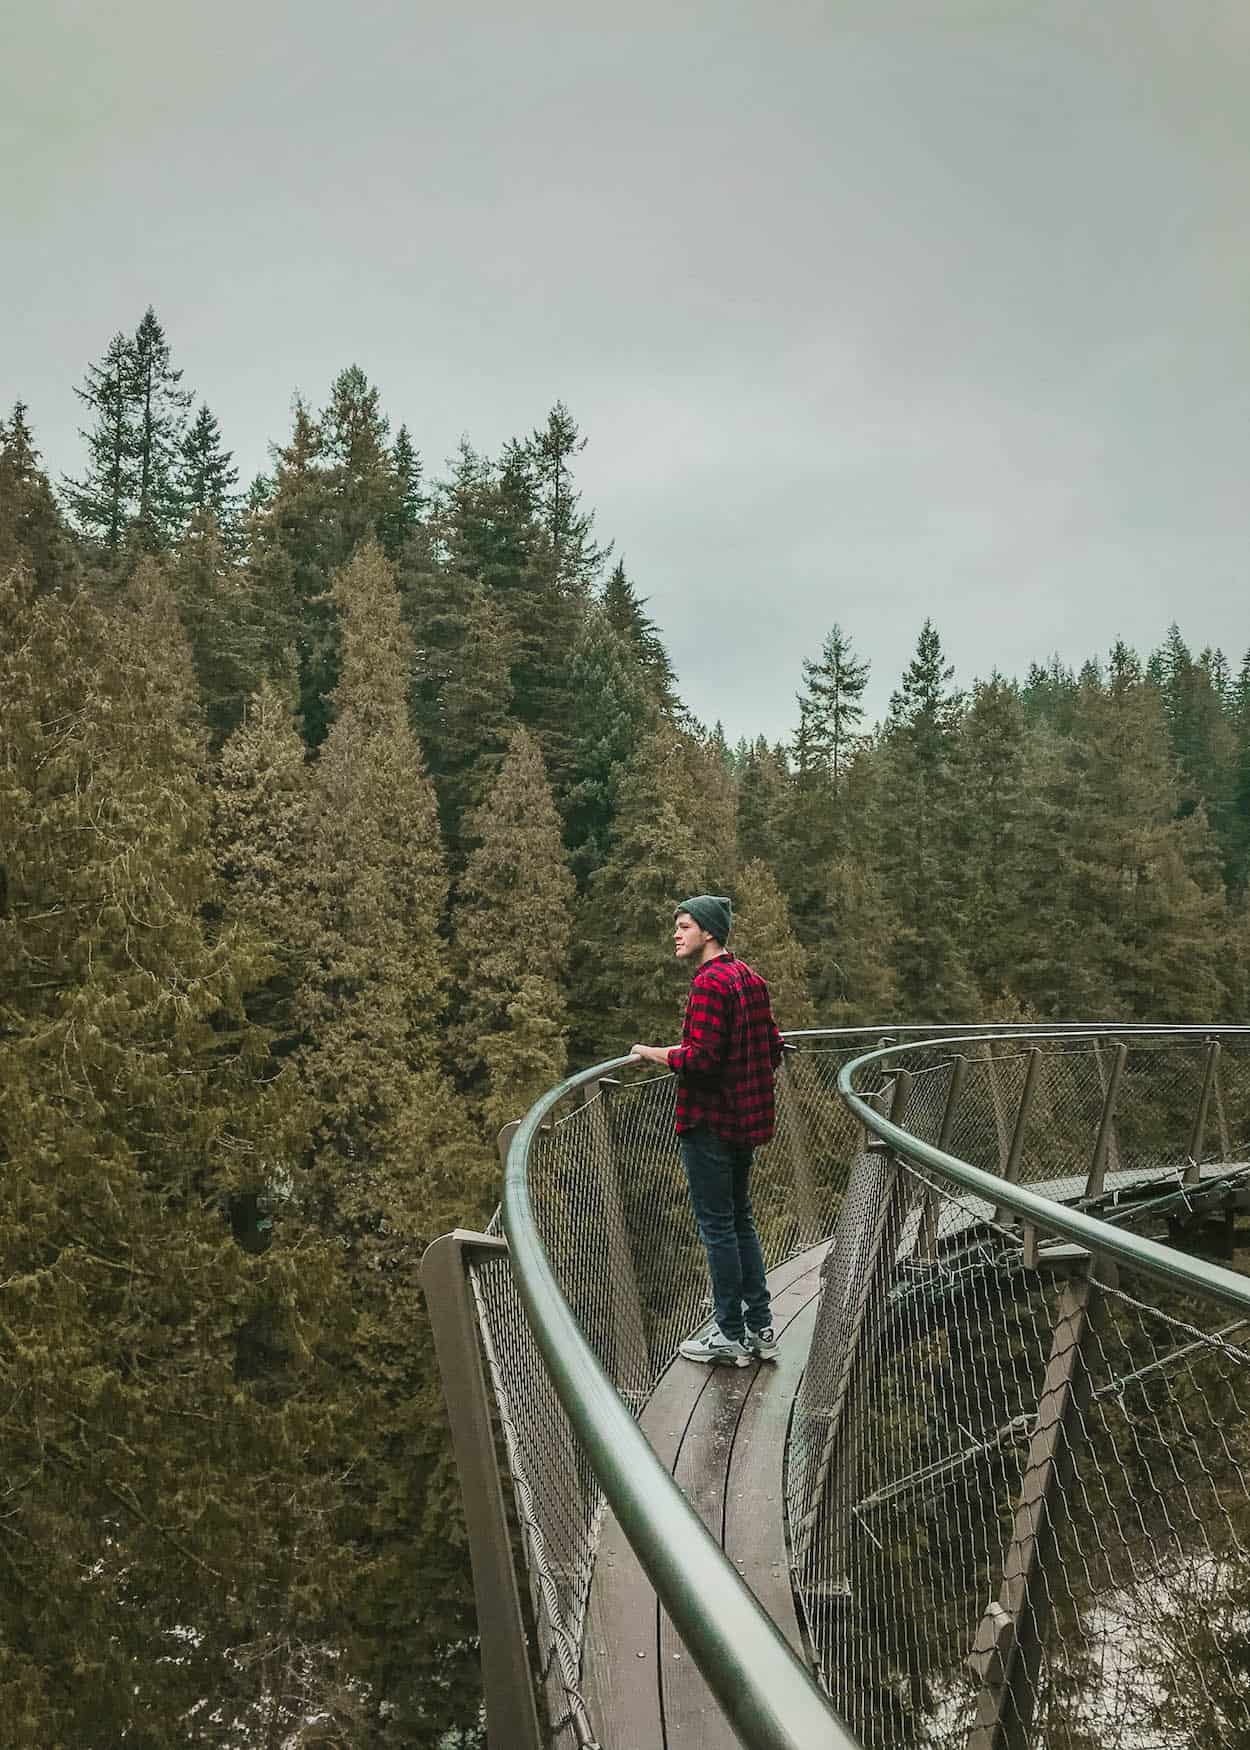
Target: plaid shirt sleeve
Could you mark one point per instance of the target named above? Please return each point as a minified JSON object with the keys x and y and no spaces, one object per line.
{"x":705,"y":1031}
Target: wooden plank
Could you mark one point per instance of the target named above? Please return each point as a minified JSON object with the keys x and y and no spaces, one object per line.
{"x":621,"y":1659}
{"x":755,"y":1528}
{"x":692,"y":1719}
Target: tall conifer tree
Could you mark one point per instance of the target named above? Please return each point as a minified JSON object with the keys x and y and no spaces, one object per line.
{"x":513,"y":922}
{"x":626,"y":612}
{"x":103,"y":501}
{"x":160,"y":414}
{"x":831,"y":705}
{"x":165,"y":1499}
{"x":920,"y":868}
{"x":762,"y":936}
{"x":612,"y":711}
{"x":206,"y":478}
{"x":395,"y":1161}
{"x":32,"y":532}
{"x":624,"y":978}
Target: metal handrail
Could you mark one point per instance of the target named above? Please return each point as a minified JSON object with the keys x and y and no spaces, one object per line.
{"x":1121,"y":1244}
{"x":765,"y":1691}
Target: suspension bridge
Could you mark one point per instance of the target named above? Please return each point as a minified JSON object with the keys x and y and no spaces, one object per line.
{"x":994,"y":1491}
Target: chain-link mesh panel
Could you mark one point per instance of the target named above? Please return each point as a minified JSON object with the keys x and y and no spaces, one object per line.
{"x":920,"y":1426}
{"x":613,"y":1212}
{"x":1017,"y":1486}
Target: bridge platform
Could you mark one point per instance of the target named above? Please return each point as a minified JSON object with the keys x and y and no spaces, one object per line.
{"x":721,"y":1432}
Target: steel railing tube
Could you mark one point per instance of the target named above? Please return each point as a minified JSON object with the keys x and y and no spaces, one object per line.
{"x":766,"y":1693}
{"x":1132,"y":1250}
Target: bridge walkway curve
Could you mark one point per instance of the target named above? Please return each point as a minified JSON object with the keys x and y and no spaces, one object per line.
{"x":719,"y":1431}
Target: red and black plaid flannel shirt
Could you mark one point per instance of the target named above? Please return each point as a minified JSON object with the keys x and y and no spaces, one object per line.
{"x":729,"y":1049}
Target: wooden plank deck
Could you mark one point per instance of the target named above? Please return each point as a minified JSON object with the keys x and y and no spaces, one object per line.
{"x":720,"y":1431}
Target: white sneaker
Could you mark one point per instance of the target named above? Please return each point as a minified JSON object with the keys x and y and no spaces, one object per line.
{"x":761,"y":1344}
{"x":715,"y":1348}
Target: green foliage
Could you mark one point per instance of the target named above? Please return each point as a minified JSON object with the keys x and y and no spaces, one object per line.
{"x":206,"y":479}
{"x":32,"y":533}
{"x":611,"y":713}
{"x":101,"y":503}
{"x":762,"y":936}
{"x":162,"y":1387}
{"x":831,"y":706}
{"x":625,"y":610}
{"x":513,"y":923}
{"x":222,"y":620}
{"x":919,"y":815}
{"x":624,"y":978}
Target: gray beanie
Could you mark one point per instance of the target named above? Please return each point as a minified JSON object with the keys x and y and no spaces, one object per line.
{"x":712,"y":913}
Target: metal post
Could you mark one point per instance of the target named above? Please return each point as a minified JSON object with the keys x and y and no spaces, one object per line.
{"x":792,"y":1128}
{"x":870,"y":1296}
{"x":1106,"y":1126}
{"x":927,"y":1243}
{"x":507,"y":1683}
{"x":1193,"y":1170}
{"x":996,"y":1102}
{"x":1007,"y":1651}
{"x":629,"y":1356}
{"x":1011,"y":1172}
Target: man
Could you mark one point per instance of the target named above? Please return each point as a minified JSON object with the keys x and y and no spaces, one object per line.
{"x":729,"y":1050}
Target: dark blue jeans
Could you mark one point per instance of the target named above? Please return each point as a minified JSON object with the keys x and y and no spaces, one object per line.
{"x":719,"y":1175}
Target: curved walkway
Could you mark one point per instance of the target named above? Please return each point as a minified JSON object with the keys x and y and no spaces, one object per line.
{"x":721,"y":1432}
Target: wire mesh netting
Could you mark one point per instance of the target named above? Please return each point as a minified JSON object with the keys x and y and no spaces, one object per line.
{"x":613,"y":1213}
{"x":1017,"y":1486}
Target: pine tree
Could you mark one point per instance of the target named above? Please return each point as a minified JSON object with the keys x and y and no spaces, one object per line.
{"x":206,"y":479}
{"x":762,"y":781}
{"x":361,"y":477}
{"x":513,"y":923}
{"x":409,"y":504}
{"x":711,"y":783}
{"x":550,"y":454}
{"x":32,"y":533}
{"x":490,"y":532}
{"x":1239,"y":801}
{"x":222,"y":620}
{"x":626,"y":614}
{"x":831,"y":706}
{"x":159,"y":422}
{"x":919,"y":865}
{"x":994,"y":837}
{"x":103,"y":501}
{"x":612,"y":711}
{"x":260,"y":833}
{"x":461,"y":687}
{"x":394,"y":1158}
{"x":1049,"y":695}
{"x":623,"y":976}
{"x":853,"y":966}
{"x":762,"y":936}
{"x":1138,"y":887}
{"x":290,"y":562}
{"x":165,"y":1499}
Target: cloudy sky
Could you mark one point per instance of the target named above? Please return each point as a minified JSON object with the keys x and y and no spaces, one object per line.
{"x":869,"y":311}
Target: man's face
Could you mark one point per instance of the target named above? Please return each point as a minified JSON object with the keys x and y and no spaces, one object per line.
{"x":688,"y":939}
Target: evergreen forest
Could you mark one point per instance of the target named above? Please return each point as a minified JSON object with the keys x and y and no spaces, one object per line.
{"x":342,"y":812}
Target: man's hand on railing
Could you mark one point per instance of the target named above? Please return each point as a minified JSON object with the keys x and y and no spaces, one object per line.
{"x":651,"y":1054}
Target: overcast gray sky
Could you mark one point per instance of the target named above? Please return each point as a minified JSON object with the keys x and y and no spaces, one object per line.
{"x":869,"y":311}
